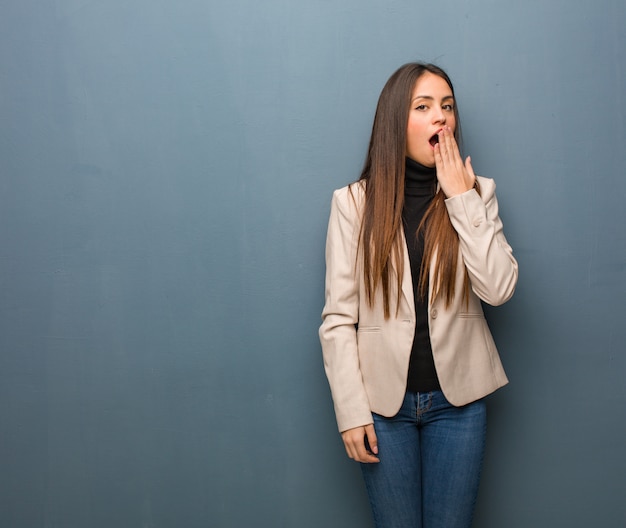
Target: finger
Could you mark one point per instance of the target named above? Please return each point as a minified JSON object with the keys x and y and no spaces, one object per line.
{"x":372,"y":440}
{"x":369,"y":446}
{"x":363,"y":455}
{"x":368,"y":458}
{"x":438,"y":157}
{"x":469,"y":168}
{"x":444,"y":142}
{"x":441,"y":147}
{"x":452,"y":147}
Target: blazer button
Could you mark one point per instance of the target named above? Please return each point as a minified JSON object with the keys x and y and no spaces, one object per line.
{"x":433,"y":313}
{"x":477,"y":222}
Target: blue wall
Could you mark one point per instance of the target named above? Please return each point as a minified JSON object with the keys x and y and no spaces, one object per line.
{"x":165,"y":179}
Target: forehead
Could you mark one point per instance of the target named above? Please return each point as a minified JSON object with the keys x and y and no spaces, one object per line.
{"x":431,"y":85}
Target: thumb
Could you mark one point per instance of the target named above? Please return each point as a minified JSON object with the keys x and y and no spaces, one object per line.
{"x":371,"y":438}
{"x":468,"y":167}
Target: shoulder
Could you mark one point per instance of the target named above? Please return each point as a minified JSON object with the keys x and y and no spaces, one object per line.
{"x":350,"y":197}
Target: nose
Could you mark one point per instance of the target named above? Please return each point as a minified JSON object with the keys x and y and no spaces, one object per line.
{"x":439,"y":116}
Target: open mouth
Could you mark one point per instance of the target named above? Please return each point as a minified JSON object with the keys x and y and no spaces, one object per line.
{"x":434,"y":140}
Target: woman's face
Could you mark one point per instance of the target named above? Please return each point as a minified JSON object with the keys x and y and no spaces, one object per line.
{"x":432,"y":107}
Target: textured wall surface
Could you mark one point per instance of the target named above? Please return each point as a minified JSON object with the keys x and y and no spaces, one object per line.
{"x":166,"y":171}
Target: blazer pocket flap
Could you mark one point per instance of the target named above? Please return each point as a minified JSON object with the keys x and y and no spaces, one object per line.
{"x":470,"y":315}
{"x":367,"y":329}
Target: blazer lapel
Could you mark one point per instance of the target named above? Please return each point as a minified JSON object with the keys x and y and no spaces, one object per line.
{"x":407,"y":282}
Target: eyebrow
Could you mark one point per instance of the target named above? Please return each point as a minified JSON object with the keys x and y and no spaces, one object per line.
{"x":430,"y":98}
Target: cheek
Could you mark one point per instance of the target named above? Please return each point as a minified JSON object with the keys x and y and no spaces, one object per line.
{"x":414,"y":131}
{"x":411,"y":140}
{"x":452,"y":124}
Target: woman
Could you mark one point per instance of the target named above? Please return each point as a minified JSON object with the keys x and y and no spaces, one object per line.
{"x":413,"y":248}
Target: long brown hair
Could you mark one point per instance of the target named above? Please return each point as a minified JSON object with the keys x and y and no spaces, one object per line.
{"x":380,"y":239}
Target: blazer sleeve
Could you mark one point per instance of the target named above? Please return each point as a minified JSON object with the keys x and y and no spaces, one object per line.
{"x":487,"y":255}
{"x":341,"y":313}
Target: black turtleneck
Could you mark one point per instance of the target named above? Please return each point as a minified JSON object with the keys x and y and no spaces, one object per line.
{"x":419,"y":189}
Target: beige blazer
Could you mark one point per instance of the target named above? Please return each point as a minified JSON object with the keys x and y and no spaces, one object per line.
{"x":367,"y":368}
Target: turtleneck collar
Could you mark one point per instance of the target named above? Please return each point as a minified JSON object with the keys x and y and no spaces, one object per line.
{"x":418,"y":177}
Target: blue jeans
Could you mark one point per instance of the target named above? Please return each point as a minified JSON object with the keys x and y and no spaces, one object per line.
{"x":431,"y":456}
